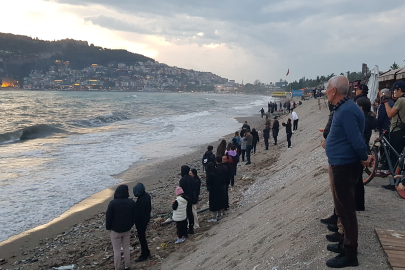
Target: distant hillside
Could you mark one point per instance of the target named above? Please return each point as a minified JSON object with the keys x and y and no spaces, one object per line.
{"x":21,"y":54}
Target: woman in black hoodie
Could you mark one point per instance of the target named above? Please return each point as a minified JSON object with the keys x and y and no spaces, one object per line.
{"x":120,"y":218}
{"x":187,"y":184}
{"x":275,"y":128}
{"x":288,"y":131}
{"x":142,"y":218}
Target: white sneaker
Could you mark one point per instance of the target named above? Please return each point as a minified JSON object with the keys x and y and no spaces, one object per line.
{"x":212,"y":220}
{"x":180,"y":240}
{"x":289,"y":148}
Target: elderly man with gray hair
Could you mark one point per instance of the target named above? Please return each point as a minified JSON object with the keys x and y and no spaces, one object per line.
{"x":347,"y":154}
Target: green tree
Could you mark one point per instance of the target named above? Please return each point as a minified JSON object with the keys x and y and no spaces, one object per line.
{"x":394,"y":66}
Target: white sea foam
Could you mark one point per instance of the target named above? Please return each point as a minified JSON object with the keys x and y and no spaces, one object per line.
{"x":42,"y":178}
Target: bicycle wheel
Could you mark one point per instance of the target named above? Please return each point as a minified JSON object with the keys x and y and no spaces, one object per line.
{"x":369,"y":172}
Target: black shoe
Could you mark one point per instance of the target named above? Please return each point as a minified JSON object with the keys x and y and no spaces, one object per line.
{"x":142,"y":258}
{"x":337,"y":248}
{"x":330,"y":220}
{"x":341,"y":261}
{"x":334,"y":237}
{"x":190,"y":231}
{"x":247,"y":163}
{"x":127,"y":268}
{"x":333,"y":228}
{"x":389,"y":187}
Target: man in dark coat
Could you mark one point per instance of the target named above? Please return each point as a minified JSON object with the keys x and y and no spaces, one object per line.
{"x":276,"y":126}
{"x":266,"y":135}
{"x":208,"y":157}
{"x":187,"y":184}
{"x":142,"y":218}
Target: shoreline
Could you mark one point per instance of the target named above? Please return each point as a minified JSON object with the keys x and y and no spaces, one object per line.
{"x":97,"y":203}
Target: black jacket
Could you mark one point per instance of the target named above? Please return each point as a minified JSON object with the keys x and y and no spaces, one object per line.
{"x":209,"y":156}
{"x":187,"y":182}
{"x":287,"y":127}
{"x":222,"y":172}
{"x":215,"y":189}
{"x":276,"y":126}
{"x":266,"y":133}
{"x":143,"y":206}
{"x":120,"y":216}
{"x":197,"y":188}
{"x":255,"y":136}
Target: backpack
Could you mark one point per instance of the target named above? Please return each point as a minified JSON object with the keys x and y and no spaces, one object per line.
{"x":205,"y":159}
{"x":230,"y":158}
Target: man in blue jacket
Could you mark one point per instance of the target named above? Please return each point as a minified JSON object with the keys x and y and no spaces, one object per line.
{"x":347,"y":153}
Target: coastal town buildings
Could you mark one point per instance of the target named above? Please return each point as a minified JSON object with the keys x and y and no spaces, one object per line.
{"x":141,"y":76}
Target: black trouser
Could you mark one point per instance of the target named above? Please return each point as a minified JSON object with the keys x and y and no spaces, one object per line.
{"x":295,"y":124}
{"x":226,"y":197}
{"x":344,"y":181}
{"x":254,"y":147}
{"x":289,"y":139}
{"x":190,"y":215}
{"x":243,"y":154}
{"x":181,"y":228}
{"x":248,"y":151}
{"x":141,"y":230}
{"x":398,"y":142}
{"x":266,"y":143}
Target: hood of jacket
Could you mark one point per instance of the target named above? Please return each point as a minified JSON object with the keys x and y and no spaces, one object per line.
{"x":121,"y":192}
{"x":185,"y":170}
{"x":138,"y":190}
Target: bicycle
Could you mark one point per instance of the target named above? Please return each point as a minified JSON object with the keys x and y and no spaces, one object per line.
{"x":394,"y":169}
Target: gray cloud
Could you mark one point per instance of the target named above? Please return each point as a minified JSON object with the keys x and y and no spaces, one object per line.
{"x":307,"y":36}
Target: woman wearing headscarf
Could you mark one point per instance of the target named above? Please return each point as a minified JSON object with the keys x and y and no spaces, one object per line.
{"x":221,"y":148}
{"x":120,"y":218}
{"x":215,"y":191}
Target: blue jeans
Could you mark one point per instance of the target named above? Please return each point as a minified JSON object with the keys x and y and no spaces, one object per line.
{"x":248,"y":151}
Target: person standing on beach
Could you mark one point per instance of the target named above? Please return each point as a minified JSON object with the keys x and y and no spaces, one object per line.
{"x":120,"y":218}
{"x":295,"y":120}
{"x":179,"y":207}
{"x":266,"y":135}
{"x":288,"y":132}
{"x":215,"y":192}
{"x":243,"y":148}
{"x":197,"y":188}
{"x":236,"y":142}
{"x":228,"y":165}
{"x":235,"y":160}
{"x":142,"y":218}
{"x":255,"y":140}
{"x":347,"y":153}
{"x":262,"y":112}
{"x":288,"y":106}
{"x":276,"y":126}
{"x":187,"y":185}
{"x":221,"y":148}
{"x":222,"y":172}
{"x":249,"y":144}
{"x":208,"y":157}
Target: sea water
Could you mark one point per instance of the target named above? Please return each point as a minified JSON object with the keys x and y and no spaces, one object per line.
{"x":58,"y":148}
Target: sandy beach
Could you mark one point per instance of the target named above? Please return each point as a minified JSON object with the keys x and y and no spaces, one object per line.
{"x":273,"y":221}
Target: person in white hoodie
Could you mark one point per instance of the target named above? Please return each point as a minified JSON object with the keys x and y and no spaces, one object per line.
{"x":180,"y":215}
{"x":295,"y":120}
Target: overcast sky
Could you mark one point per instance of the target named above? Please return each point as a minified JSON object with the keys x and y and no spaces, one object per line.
{"x":240,"y":40}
